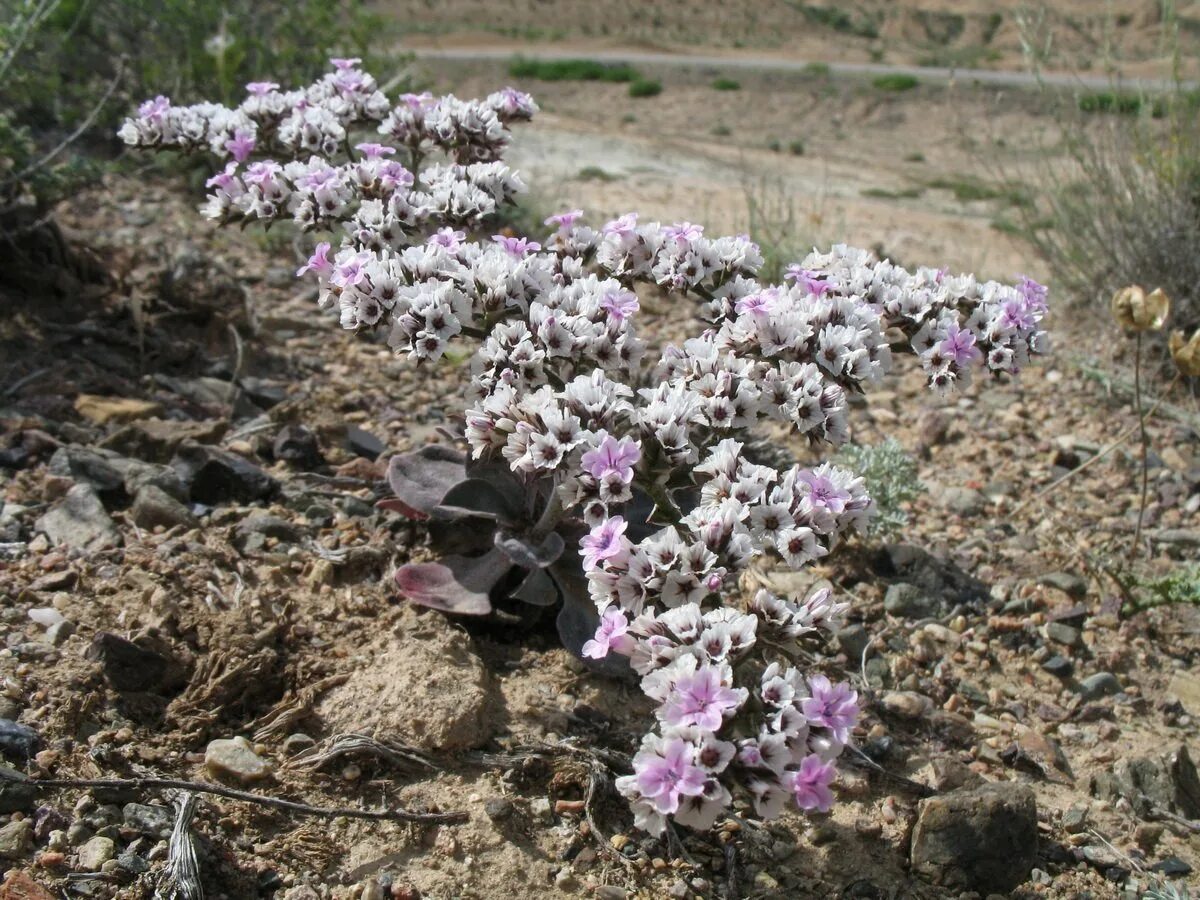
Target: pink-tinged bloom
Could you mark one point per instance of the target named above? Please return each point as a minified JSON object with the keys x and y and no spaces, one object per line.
{"x":352,"y":271}
{"x":374,"y":151}
{"x":683,"y":232}
{"x":808,"y":280}
{"x":241,"y":145}
{"x":518,"y":247}
{"x":605,"y":541}
{"x":261,"y":88}
{"x":664,"y":777}
{"x":700,"y":699}
{"x":1016,"y":314}
{"x":620,"y":305}
{"x":514,"y":100}
{"x":832,"y":706}
{"x":417,"y":101}
{"x":611,"y":635}
{"x":319,"y":262}
{"x":760,"y":303}
{"x":810,"y":784}
{"x":959,"y":346}
{"x":155,"y":109}
{"x":448,"y":238}
{"x":564,"y":220}
{"x":624,"y":227}
{"x":1033,"y":292}
{"x":262,"y":173}
{"x":824,"y":493}
{"x":223,"y":181}
{"x":613,"y":457}
{"x":344,"y":63}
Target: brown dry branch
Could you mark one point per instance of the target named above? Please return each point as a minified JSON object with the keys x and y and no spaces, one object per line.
{"x":395,"y":814}
{"x":399,"y":755}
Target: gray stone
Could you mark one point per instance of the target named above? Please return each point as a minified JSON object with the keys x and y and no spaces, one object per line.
{"x":1153,"y":784}
{"x":1074,"y":820}
{"x":910,"y":602}
{"x":80,"y":522}
{"x":1068,"y":582}
{"x":18,"y":742}
{"x":235,"y":760}
{"x":217,"y":476}
{"x":853,"y":640}
{"x":153,"y":821}
{"x":269,"y":527}
{"x":963,"y":501}
{"x":498,"y":808}
{"x":1065,"y":634}
{"x":1102,"y":684}
{"x":103,"y":470}
{"x":983,"y":839}
{"x":362,"y":443}
{"x":140,"y":474}
{"x":153,"y":507}
{"x":297,"y":445}
{"x":1059,"y":666}
{"x":95,"y":853}
{"x":16,"y":840}
{"x":906,"y":704}
{"x":16,"y":797}
{"x":57,"y":633}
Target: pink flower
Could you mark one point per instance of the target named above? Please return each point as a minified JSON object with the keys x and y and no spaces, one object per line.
{"x":808,"y":280}
{"x":565,"y":220}
{"x":352,"y":271}
{"x":342,"y":64}
{"x":665,"y":776}
{"x":241,"y":145}
{"x":620,"y":305}
{"x":1033,"y":293}
{"x":810,"y":784}
{"x":417,"y":101}
{"x":832,"y":706}
{"x":624,"y":227}
{"x":683,"y":232}
{"x":605,"y":541}
{"x":613,"y":457}
{"x":611,"y":635}
{"x":155,"y":109}
{"x":374,"y":151}
{"x":224,"y":180}
{"x":959,"y":346}
{"x":261,"y":88}
{"x":518,"y":247}
{"x":759,"y":304}
{"x":824,"y":493}
{"x":448,"y":238}
{"x":700,"y":699}
{"x":318,"y":262}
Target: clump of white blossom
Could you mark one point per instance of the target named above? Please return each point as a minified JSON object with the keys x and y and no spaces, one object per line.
{"x":564,"y":394}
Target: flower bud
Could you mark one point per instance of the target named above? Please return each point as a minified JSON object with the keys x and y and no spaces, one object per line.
{"x":1186,"y":353}
{"x":1135,"y":310}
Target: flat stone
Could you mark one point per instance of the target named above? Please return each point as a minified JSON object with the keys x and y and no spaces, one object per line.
{"x":906,"y":704}
{"x":962,"y":500}
{"x":363,"y":443}
{"x":16,"y":840}
{"x":154,"y":507}
{"x":217,"y":476}
{"x":1061,"y":633}
{"x":18,"y":742}
{"x":1059,"y":666}
{"x":119,"y":410}
{"x":297,"y":445}
{"x":156,"y":440}
{"x":983,"y":839}
{"x":1102,"y":684}
{"x":147,"y":665}
{"x":911,"y":602}
{"x":95,"y":853}
{"x":80,"y":522}
{"x":269,"y":526}
{"x":1169,"y":782}
{"x":153,"y":821}
{"x":853,"y":640}
{"x":19,"y":886}
{"x":1075,"y":819}
{"x":235,"y":760}
{"x":1069,"y":583}
{"x":1186,"y":687}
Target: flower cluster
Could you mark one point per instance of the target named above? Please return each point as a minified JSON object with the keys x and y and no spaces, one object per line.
{"x":643,"y":459}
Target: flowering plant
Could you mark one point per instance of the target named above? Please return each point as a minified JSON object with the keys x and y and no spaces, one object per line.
{"x":577,"y":436}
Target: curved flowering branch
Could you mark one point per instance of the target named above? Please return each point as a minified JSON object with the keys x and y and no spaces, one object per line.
{"x":577,"y":438}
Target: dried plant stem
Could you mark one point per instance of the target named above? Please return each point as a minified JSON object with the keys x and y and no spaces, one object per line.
{"x":200,"y":787}
{"x":1137,"y":402}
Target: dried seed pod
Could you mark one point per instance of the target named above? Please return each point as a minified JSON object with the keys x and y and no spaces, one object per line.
{"x":1135,"y":310}
{"x":1186,"y":352}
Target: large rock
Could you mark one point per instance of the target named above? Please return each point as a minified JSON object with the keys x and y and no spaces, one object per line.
{"x":156,"y":440}
{"x":153,"y":506}
{"x":424,"y":685}
{"x":981,"y":840}
{"x":217,"y":476}
{"x":1153,"y":784}
{"x":80,"y":522}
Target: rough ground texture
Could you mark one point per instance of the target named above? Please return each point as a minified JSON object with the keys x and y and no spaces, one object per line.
{"x":199,"y":568}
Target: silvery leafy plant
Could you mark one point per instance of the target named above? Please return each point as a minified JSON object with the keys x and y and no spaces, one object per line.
{"x":616,"y":486}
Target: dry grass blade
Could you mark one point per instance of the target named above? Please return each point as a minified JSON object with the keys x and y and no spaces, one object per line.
{"x":280,"y":718}
{"x":181,"y":878}
{"x":398,"y":755}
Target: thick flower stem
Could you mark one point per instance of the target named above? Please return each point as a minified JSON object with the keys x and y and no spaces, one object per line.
{"x":1137,"y":401}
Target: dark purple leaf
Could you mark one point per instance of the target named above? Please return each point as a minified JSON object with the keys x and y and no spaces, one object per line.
{"x":538,"y":589}
{"x":456,"y":584}
{"x":528,"y":555}
{"x":421,"y":479}
{"x":476,"y":497}
{"x":578,"y":619}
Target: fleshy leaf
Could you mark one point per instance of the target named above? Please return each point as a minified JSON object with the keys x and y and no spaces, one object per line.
{"x":537,"y":589}
{"x":526,"y":554}
{"x":456,"y":584}
{"x":422,"y":478}
{"x":577,"y":620}
{"x":476,"y":497}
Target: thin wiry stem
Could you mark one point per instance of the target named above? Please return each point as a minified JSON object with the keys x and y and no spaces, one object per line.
{"x":1137,"y":402}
